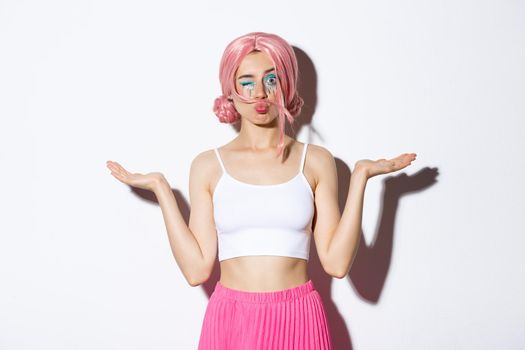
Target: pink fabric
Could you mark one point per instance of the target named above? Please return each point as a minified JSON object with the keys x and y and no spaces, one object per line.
{"x":289,"y":319}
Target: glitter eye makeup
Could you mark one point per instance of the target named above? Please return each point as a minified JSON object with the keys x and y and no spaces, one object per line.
{"x":270,"y":83}
{"x":248,"y":86}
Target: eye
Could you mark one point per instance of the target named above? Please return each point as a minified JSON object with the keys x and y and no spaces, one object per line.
{"x":271,"y":80}
{"x":248,"y":85}
{"x":271,"y":83}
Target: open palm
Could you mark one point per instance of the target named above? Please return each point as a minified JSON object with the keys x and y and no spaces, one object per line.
{"x":144,"y":181}
{"x":384,"y":166}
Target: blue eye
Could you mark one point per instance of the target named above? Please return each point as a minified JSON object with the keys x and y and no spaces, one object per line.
{"x":271,"y":79}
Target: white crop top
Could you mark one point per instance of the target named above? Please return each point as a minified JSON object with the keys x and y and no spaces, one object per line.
{"x":263,"y":219}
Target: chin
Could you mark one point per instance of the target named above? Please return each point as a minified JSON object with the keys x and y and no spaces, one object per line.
{"x":265,"y":120}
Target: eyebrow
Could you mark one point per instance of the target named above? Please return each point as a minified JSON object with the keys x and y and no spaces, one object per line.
{"x":251,"y":75}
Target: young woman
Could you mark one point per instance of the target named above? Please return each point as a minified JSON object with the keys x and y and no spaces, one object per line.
{"x":253,"y":202}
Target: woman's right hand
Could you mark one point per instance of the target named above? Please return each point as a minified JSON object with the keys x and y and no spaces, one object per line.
{"x":145,"y":181}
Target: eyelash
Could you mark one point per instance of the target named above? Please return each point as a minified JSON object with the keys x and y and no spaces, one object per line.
{"x":251,"y":85}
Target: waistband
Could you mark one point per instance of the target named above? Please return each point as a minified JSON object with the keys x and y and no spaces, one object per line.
{"x":264,"y":297}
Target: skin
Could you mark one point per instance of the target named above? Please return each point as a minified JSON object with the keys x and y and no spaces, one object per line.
{"x":251,"y":157}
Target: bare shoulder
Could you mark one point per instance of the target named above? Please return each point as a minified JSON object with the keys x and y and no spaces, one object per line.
{"x":204,"y":160}
{"x":319,"y":152}
{"x":320,"y":160}
{"x":204,"y":167}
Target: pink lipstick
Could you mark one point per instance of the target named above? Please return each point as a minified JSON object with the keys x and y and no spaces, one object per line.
{"x":261,"y":107}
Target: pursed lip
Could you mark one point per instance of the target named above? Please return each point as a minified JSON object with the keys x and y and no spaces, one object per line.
{"x":261,"y":107}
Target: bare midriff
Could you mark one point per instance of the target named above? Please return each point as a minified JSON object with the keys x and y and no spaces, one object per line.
{"x":263,"y":273}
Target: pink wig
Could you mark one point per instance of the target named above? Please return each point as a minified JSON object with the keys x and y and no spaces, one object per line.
{"x":285,"y":62}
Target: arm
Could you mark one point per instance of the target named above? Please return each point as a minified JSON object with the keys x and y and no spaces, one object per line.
{"x":195,"y":246}
{"x":345,"y":238}
{"x":337,"y":237}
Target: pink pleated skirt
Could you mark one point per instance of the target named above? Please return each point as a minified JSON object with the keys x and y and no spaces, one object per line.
{"x":288,"y":319}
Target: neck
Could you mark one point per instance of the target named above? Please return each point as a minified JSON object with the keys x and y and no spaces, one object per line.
{"x":259,"y":137}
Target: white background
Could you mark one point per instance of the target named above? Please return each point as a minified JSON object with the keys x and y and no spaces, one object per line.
{"x":85,"y":261}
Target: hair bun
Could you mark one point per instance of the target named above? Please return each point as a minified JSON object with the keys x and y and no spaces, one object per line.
{"x":295,"y":105}
{"x":225,"y":110}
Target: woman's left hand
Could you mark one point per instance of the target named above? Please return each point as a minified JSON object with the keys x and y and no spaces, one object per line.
{"x":372,"y":168}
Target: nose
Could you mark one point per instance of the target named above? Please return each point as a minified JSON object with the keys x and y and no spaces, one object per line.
{"x":260,"y":90}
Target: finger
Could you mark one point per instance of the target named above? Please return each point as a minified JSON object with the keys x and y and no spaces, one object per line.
{"x":124,"y":178}
{"x":410,"y":156}
{"x":118,"y":176}
{"x":121,"y":170}
{"x":404,"y":160}
{"x":118,"y":166}
{"x":112,"y":165}
{"x":115,"y":169}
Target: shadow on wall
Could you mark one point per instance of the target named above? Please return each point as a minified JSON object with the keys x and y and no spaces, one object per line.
{"x":370,"y":267}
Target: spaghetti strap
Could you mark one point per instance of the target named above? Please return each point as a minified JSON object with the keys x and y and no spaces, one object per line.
{"x":303,"y":157}
{"x":219,"y":159}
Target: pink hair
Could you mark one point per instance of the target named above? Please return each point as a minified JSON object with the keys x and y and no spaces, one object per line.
{"x":285,"y":62}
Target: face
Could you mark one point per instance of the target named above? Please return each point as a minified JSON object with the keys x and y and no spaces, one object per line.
{"x":256,"y":79}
